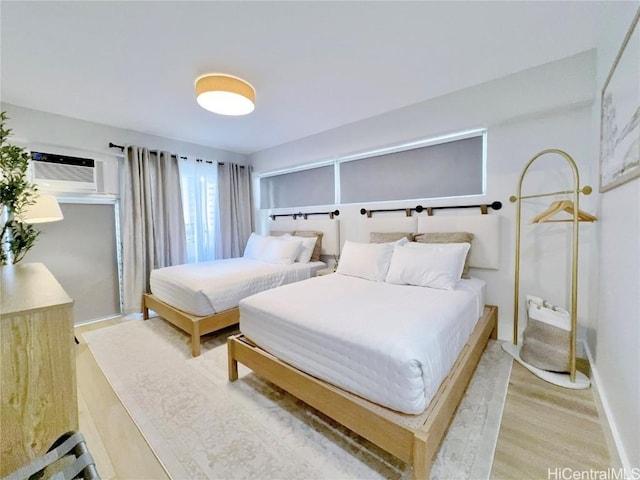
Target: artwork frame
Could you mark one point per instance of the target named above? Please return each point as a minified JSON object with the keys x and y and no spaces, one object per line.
{"x":620,"y":114}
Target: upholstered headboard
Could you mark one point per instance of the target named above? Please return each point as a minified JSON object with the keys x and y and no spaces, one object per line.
{"x":387,"y":223}
{"x":329,"y":227}
{"x":485,"y":247}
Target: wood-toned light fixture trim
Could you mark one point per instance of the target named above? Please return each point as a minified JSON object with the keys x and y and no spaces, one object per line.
{"x":221,"y":82}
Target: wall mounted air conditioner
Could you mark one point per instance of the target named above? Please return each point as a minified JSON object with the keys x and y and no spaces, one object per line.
{"x":61,"y":173}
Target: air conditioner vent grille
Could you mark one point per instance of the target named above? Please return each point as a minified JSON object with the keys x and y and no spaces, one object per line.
{"x":62,"y":173}
{"x":57,"y":171}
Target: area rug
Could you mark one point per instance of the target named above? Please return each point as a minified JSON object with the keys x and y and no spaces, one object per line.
{"x":201,"y":426}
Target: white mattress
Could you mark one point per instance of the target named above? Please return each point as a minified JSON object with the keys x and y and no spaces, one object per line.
{"x":391,"y":344}
{"x":211,"y":287}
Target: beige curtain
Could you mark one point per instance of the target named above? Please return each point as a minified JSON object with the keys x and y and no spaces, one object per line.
{"x":152,"y":219}
{"x":234,"y":207}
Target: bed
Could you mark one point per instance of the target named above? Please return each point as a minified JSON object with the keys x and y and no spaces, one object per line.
{"x":202,"y":298}
{"x":357,"y":350}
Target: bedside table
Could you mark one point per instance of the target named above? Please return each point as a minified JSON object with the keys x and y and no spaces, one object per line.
{"x":324,"y":271}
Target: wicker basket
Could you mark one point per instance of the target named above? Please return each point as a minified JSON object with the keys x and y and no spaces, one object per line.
{"x":545,"y":342}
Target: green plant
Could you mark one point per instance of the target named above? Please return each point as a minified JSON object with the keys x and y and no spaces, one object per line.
{"x":16,"y":192}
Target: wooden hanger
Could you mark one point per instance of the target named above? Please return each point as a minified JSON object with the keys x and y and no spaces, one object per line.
{"x":562,"y":206}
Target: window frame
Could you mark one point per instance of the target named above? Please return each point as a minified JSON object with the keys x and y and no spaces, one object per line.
{"x":385,"y":150}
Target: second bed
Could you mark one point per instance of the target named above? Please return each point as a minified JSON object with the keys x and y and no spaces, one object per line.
{"x":203,"y":297}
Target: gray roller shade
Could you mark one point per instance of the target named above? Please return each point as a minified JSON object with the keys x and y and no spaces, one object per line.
{"x":444,"y":170}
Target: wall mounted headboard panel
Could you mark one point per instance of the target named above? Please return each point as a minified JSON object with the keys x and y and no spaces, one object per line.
{"x":283,"y":225}
{"x":385,"y":224}
{"x":485,"y":247}
{"x":330,"y":228}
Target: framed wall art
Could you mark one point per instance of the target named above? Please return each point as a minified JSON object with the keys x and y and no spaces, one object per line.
{"x":620,"y":114}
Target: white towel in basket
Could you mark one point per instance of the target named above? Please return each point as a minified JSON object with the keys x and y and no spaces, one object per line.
{"x":545,"y":341}
{"x":543,"y":311}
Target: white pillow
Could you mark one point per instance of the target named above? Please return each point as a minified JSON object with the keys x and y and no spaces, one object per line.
{"x":280,"y":251}
{"x":308,"y":244}
{"x":255,"y":246}
{"x":365,"y":260}
{"x":435,"y":265}
{"x":400,"y":241}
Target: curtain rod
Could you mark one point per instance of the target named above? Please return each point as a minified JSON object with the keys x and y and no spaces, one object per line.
{"x":408,"y":211}
{"x":222,"y":163}
{"x":121,"y":147}
{"x":304,"y":215}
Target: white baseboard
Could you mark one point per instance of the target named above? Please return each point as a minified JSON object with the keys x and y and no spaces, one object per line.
{"x":611,"y":433}
{"x":96,"y":320}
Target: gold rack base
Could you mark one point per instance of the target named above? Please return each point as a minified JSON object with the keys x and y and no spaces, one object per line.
{"x":560,"y":379}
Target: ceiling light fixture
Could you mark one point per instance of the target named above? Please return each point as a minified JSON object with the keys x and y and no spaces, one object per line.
{"x":225,"y":94}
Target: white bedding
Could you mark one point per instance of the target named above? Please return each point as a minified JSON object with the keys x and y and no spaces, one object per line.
{"x":211,"y":287}
{"x":391,"y":344}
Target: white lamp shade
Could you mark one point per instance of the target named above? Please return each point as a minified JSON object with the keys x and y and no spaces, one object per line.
{"x":225,"y":94}
{"x":45,"y":209}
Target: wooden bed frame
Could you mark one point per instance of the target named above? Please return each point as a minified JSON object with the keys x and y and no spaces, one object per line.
{"x":416,"y":446}
{"x":192,"y":324}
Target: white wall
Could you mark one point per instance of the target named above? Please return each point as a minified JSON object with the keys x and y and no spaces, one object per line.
{"x":70,"y":136}
{"x":544,"y":107}
{"x":617,"y":282}
{"x":41,"y":131}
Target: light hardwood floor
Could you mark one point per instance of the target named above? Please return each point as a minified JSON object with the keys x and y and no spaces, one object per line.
{"x":118,"y":448}
{"x":543,"y":427}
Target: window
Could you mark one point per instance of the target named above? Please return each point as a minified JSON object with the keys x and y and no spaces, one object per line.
{"x":84,"y":243}
{"x":449,"y":169}
{"x":451,"y":166}
{"x":303,"y":188}
{"x":199,"y":189}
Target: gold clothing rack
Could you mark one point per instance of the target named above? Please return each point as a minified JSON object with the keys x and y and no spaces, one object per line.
{"x":572,"y":208}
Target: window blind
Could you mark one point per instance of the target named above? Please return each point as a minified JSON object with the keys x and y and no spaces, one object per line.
{"x":444,"y":170}
{"x":302,"y":188}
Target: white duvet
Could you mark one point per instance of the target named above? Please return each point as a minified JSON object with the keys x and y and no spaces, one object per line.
{"x":211,"y":287}
{"x":391,"y":344}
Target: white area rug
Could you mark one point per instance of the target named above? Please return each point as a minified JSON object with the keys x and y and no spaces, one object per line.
{"x":202,"y":427}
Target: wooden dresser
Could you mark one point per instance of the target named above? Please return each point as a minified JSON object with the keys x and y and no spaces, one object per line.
{"x":38,"y":397}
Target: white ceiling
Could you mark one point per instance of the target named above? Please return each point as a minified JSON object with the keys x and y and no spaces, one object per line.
{"x":315,"y":65}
